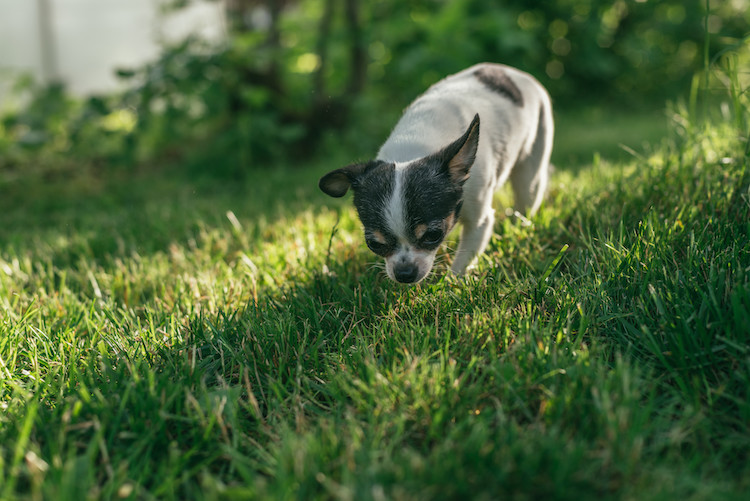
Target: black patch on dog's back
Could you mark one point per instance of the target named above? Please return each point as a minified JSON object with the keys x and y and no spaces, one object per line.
{"x":497,"y":81}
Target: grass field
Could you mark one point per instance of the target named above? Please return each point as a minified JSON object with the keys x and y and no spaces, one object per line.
{"x":169,"y":338}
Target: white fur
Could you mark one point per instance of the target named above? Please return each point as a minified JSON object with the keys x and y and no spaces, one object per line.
{"x":396,"y":219}
{"x":396,"y":209}
{"x":514,"y":142}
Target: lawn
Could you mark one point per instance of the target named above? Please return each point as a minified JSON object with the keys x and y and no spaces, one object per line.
{"x":167,"y":337}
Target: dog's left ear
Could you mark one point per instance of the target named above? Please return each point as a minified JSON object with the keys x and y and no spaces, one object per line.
{"x":460,"y":155}
{"x":337,"y":182}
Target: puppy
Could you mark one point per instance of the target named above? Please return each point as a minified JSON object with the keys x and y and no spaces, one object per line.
{"x":436,"y":169}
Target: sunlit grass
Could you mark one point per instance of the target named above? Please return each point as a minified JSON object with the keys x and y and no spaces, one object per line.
{"x":170,"y":338}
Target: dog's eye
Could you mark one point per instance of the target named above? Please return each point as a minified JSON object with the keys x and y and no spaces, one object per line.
{"x":378,"y":248}
{"x":432,"y":237}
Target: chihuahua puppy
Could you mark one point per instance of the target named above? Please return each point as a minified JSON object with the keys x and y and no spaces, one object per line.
{"x":436,"y":169}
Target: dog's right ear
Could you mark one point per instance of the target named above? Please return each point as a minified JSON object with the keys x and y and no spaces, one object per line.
{"x":463,"y":152}
{"x":337,"y":182}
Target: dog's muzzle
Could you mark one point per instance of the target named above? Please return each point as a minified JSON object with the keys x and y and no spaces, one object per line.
{"x":406,"y":273}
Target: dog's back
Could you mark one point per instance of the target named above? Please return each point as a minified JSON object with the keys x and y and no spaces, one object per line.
{"x":505,"y":98}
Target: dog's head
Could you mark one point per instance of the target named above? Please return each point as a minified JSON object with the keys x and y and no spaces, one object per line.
{"x":408,"y":208}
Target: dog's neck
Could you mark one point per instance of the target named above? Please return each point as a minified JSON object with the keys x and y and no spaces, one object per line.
{"x":423,"y":130}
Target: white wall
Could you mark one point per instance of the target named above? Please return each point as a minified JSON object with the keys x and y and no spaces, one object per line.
{"x":90,"y":38}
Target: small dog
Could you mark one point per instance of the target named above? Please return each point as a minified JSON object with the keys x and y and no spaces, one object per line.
{"x":424,"y":181}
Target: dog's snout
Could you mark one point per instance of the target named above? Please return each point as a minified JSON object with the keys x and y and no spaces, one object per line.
{"x":409,"y":265}
{"x":406,"y":273}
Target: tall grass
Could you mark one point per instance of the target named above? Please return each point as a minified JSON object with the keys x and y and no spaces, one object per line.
{"x":163,"y":338}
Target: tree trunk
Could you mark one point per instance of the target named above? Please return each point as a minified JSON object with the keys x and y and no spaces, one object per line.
{"x":357,"y":55}
{"x":324,"y":34}
{"x":274,"y":46}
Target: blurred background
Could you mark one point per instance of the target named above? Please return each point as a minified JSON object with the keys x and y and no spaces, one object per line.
{"x":81,"y":42}
{"x":223,"y":87}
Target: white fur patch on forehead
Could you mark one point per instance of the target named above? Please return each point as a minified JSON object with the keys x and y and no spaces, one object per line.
{"x":395,"y":209}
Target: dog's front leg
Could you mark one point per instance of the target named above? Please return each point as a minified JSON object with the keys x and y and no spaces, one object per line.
{"x":475,"y":236}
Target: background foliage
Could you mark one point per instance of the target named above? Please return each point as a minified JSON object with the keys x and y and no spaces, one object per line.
{"x":292,"y":71}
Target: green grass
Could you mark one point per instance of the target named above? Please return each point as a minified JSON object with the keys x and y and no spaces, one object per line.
{"x":169,"y":338}
{"x":612,"y":134}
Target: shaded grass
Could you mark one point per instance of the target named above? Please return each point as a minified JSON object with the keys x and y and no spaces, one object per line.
{"x":585,"y":133}
{"x":163,"y":338}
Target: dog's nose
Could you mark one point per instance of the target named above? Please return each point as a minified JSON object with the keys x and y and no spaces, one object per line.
{"x":406,"y":273}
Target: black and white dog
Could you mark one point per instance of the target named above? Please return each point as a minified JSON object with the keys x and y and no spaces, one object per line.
{"x":424,"y":180}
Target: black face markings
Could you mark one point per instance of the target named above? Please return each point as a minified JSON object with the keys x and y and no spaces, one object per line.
{"x":430,"y":198}
{"x":497,"y":81}
{"x":430,"y":195}
{"x":380,"y":242}
{"x":432,"y":237}
{"x":381,"y":249}
{"x":372,"y":193}
{"x":373,"y":189}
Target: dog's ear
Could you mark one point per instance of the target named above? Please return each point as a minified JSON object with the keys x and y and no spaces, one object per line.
{"x":337,"y":182}
{"x":459,"y":156}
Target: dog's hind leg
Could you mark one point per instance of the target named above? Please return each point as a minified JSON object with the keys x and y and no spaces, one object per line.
{"x":530,"y":175}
